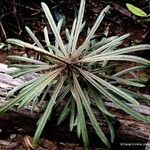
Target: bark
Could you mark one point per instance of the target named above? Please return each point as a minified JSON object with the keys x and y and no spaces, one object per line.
{"x":24,"y":122}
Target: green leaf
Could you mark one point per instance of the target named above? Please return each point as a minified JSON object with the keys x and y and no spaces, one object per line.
{"x":36,"y":88}
{"x":125,"y":81}
{"x":92,"y":32}
{"x":78,"y":126}
{"x":34,"y":48}
{"x":78,"y":25}
{"x":34,"y":38}
{"x":100,"y":104}
{"x":17,"y":88}
{"x":131,"y":58}
{"x":56,"y":51}
{"x":67,"y":34}
{"x":47,"y":40}
{"x":64,"y":113}
{"x":25,"y":59}
{"x":63,"y":93}
{"x":129,"y":70}
{"x":81,"y":124}
{"x":108,"y":50}
{"x":2,"y":45}
{"x":136,"y":95}
{"x":111,"y":128}
{"x":48,"y":110}
{"x":30,"y":70}
{"x":90,"y":112}
{"x":136,"y":11}
{"x":54,"y":28}
{"x":108,"y":45}
{"x":72,"y":115}
{"x":45,"y":93}
{"x":82,"y":26}
{"x":59,"y":25}
{"x":25,"y":67}
{"x":127,"y":50}
{"x":117,"y":101}
{"x":111,"y":87}
{"x":72,"y":35}
{"x":102,"y":42}
{"x":13,"y":101}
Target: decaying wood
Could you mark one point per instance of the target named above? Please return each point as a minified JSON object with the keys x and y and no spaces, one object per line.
{"x":128,"y":130}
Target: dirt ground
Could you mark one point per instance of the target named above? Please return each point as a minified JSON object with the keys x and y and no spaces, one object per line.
{"x":20,"y":142}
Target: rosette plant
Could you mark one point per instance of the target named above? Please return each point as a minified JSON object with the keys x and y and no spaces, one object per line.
{"x":79,"y":75}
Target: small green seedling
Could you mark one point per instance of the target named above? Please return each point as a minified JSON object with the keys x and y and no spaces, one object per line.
{"x":137,"y":11}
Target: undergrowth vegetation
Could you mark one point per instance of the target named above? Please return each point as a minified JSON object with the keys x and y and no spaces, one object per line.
{"x":78,"y":75}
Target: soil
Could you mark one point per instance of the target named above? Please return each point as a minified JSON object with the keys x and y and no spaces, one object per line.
{"x":22,"y":142}
{"x":14,"y":16}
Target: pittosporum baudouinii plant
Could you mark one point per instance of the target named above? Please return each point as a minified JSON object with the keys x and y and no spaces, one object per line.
{"x":77,"y":75}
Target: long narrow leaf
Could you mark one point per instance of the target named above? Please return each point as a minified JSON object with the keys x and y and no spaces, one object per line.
{"x":90,"y":113}
{"x":17,"y":88}
{"x":14,"y":101}
{"x":128,"y":82}
{"x":72,"y":35}
{"x":111,"y":128}
{"x":136,"y":95}
{"x":116,"y":101}
{"x":59,"y":25}
{"x":28,"y":91}
{"x":128,"y":50}
{"x":92,"y":32}
{"x":118,"y":57}
{"x":102,"y":42}
{"x":78,"y":126}
{"x":24,"y":66}
{"x":64,"y":113}
{"x":63,"y":93}
{"x":131,"y":69}
{"x":47,"y":40}
{"x":100,"y":104}
{"x":111,"y":87}
{"x":72,"y":115}
{"x":105,"y":51}
{"x":56,"y":51}
{"x":78,"y":25}
{"x":110,"y":44}
{"x":25,"y":59}
{"x":45,"y":93}
{"x":35,"y":48}
{"x":67,"y":34}
{"x":34,"y":38}
{"x":54,"y":28}
{"x":37,"y":89}
{"x":48,"y":111}
{"x":81,"y":124}
{"x":30,"y":70}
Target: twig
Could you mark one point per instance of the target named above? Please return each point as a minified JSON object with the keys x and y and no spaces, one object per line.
{"x":3,"y":30}
{"x":17,"y":19}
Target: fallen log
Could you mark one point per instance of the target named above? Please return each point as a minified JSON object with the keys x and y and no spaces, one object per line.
{"x":128,"y":130}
